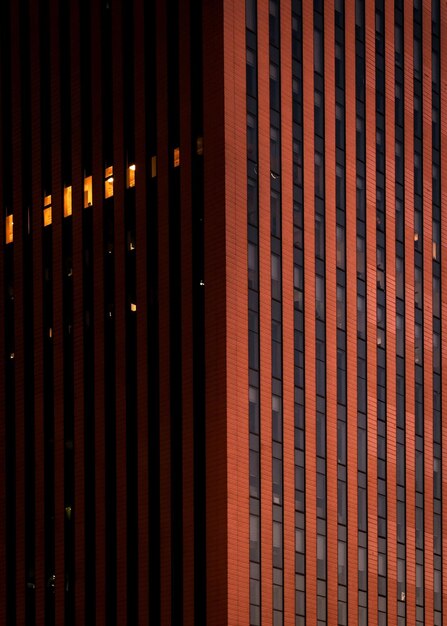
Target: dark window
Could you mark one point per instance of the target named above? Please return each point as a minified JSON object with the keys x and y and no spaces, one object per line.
{"x":275,"y":157}
{"x":318,"y":51}
{"x":319,"y":175}
{"x":251,"y":73}
{"x":274,"y":87}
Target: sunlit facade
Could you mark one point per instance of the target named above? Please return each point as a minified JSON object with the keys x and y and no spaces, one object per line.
{"x":221,"y":316}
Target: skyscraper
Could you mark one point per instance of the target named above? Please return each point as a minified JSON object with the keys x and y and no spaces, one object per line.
{"x":222,"y":310}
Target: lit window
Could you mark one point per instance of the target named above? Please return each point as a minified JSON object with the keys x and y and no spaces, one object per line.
{"x":153,"y":166}
{"x":108,"y":182}
{"x":131,"y":241}
{"x":9,"y":229}
{"x":199,"y":145}
{"x":133,"y":307}
{"x":131,"y":175}
{"x":176,"y":157}
{"x":88,"y":191}
{"x":67,"y":201}
{"x":47,"y":215}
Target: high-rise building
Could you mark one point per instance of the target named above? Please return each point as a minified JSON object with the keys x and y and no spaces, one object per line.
{"x":222,"y":271}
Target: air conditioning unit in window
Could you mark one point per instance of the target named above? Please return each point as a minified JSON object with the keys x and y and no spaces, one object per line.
{"x":276,"y":500}
{"x":402,"y":596}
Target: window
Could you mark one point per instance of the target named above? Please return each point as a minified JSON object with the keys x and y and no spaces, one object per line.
{"x":361,"y":317}
{"x":380,"y":258}
{"x":176,"y":157}
{"x":419,"y":585}
{"x":418,"y":287}
{"x":319,"y":236}
{"x":131,"y":175}
{"x":47,"y":212}
{"x":340,"y":187}
{"x":436,"y":191}
{"x":108,"y":182}
{"x":340,"y":307}
{"x":253,"y":345}
{"x":398,"y":45}
{"x":319,"y":297}
{"x":321,"y":555}
{"x":380,"y":206}
{"x":417,"y":173}
{"x":340,"y":248}
{"x":254,"y":538}
{"x":400,"y":335}
{"x":275,"y":211}
{"x":277,"y":544}
{"x":436,"y":353}
{"x":273,"y":23}
{"x":318,"y":51}
{"x":298,"y":287}
{"x":399,"y":162}
{"x":381,"y":326}
{"x":9,"y":224}
{"x":276,"y":277}
{"x":251,"y":73}
{"x":417,"y":116}
{"x":399,"y":220}
{"x":276,"y":350}
{"x":418,"y":230}
{"x":418,"y":344}
{"x":318,"y":113}
{"x":277,"y":481}
{"x":436,"y":297}
{"x":253,"y":399}
{"x":339,"y":126}
{"x":342,"y":562}
{"x":319,"y":175}
{"x":297,"y":163}
{"x":417,"y":59}
{"x":360,"y":137}
{"x":360,"y":197}
{"x":88,"y":192}
{"x":274,"y":87}
{"x":339,"y":73}
{"x":274,"y":150}
{"x":321,"y":435}
{"x":252,"y":201}
{"x":254,"y":474}
{"x":380,"y":152}
{"x":399,"y":277}
{"x":252,"y":266}
{"x":435,"y":128}
{"x":153,"y":167}
{"x":250,"y":15}
{"x":362,"y":509}
{"x":436,"y":241}
{"x":67,"y":201}
{"x":251,"y":137}
{"x":399,"y":104}
{"x":276,"y":418}
{"x":360,"y":258}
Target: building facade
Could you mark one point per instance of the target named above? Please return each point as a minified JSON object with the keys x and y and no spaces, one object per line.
{"x":222,"y":309}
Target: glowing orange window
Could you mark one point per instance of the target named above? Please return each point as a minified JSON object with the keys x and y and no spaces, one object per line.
{"x":47,"y":211}
{"x":108,"y":182}
{"x":67,"y":201}
{"x":9,"y":227}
